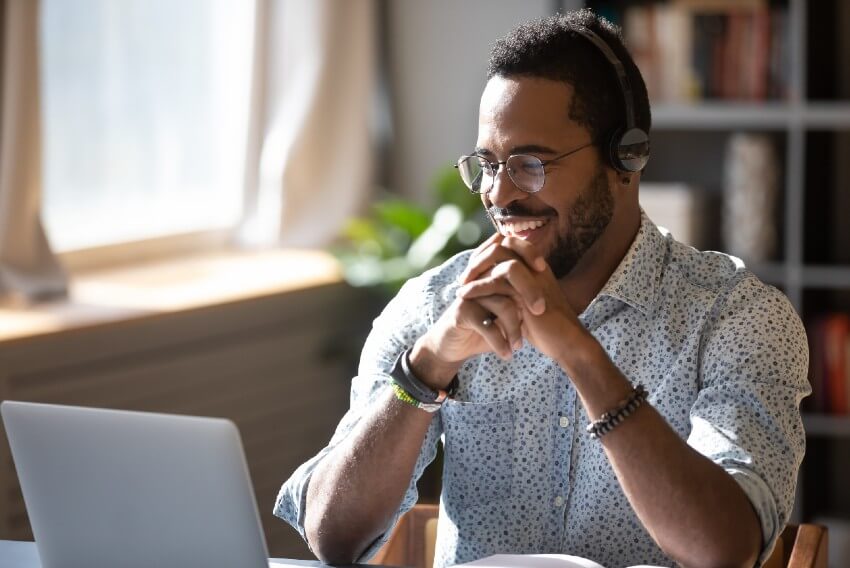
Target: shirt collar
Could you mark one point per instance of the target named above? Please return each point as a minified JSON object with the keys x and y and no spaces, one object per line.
{"x":637,"y":278}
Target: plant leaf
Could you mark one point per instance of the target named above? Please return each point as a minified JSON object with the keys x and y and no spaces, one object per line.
{"x":408,"y":217}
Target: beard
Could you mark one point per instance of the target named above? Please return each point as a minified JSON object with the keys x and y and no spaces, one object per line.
{"x":586,"y":221}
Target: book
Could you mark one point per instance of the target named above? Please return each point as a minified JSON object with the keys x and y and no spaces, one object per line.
{"x":836,"y":333}
{"x":710,"y":49}
{"x":680,"y":209}
{"x":539,"y":561}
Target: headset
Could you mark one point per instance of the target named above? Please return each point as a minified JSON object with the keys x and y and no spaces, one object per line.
{"x":628,"y":148}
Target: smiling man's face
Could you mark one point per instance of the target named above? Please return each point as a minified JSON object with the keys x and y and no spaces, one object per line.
{"x":529,"y":115}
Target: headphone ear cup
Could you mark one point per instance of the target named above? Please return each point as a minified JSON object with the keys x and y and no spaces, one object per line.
{"x":629,"y":150}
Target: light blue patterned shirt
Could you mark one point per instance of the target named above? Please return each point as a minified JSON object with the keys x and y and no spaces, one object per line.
{"x":723,"y":356}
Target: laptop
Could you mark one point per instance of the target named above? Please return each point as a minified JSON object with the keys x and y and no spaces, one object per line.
{"x":106,"y":488}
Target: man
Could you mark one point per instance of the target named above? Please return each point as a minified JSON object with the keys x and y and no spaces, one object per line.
{"x":578,"y":312}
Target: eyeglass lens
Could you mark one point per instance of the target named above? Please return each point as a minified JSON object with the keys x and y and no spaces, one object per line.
{"x":479,"y":174}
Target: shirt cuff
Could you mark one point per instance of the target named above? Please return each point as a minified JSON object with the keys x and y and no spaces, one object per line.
{"x":291,"y":502}
{"x":764,"y":505}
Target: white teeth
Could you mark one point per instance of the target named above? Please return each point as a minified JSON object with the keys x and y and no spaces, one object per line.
{"x":514,"y":228}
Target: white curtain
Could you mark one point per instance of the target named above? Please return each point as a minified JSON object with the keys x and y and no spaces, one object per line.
{"x":310,"y":159}
{"x":28,"y":268}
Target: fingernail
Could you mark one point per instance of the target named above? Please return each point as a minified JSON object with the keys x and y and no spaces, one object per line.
{"x":539,"y":306}
{"x":518,"y":344}
{"x":540,"y":264}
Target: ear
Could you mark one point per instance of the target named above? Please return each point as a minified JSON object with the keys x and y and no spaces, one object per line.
{"x":616,"y":178}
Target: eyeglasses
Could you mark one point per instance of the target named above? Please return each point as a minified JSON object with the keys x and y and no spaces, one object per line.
{"x":526,"y":171}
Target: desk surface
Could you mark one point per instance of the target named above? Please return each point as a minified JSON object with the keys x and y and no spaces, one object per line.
{"x":22,"y":554}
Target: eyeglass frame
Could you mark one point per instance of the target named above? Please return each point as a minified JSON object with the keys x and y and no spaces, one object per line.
{"x":543,"y":164}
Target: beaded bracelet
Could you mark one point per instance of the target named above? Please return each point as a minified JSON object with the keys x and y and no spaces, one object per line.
{"x":613,"y":418}
{"x":404,"y":396}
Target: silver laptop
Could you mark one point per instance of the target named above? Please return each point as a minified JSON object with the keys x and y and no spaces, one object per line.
{"x":107,"y":488}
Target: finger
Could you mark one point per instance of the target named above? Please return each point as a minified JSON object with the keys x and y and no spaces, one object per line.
{"x":503,"y":331}
{"x":527,"y":251}
{"x":492,"y":240}
{"x":500,"y":251}
{"x":486,"y":259}
{"x":510,"y":278}
{"x":473,"y":315}
{"x":508,"y":318}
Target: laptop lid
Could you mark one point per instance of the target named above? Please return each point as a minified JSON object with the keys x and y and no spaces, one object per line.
{"x":116,"y":488}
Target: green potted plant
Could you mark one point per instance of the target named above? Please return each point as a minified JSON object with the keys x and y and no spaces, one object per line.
{"x":401,"y":239}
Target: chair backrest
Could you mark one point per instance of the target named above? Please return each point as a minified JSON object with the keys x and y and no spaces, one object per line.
{"x":800,"y":546}
{"x":414,"y":538}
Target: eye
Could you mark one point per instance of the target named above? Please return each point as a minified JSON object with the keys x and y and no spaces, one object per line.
{"x":529,"y":165}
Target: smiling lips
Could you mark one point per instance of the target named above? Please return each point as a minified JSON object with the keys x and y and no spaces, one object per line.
{"x":520,"y":228}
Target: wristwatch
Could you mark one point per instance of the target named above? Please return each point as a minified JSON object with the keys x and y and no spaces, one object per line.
{"x":403,"y":376}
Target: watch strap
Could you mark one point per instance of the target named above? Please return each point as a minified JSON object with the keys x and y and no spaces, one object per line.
{"x":404,"y":377}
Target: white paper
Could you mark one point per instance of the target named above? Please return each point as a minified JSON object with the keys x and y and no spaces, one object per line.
{"x":538,"y":561}
{"x":534,"y":561}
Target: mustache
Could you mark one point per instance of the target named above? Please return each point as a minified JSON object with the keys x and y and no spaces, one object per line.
{"x":516,"y":210}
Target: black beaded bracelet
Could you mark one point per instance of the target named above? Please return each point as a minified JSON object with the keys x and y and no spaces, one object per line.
{"x":613,"y":418}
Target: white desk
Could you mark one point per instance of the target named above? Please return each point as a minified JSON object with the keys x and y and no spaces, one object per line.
{"x":21,"y":554}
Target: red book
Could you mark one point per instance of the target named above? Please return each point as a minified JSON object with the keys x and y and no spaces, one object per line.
{"x":761,"y":52}
{"x":836,"y":333}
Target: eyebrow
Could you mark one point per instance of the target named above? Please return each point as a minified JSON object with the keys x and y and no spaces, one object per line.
{"x":525,"y":149}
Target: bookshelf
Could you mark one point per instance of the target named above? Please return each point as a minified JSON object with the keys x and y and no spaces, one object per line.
{"x":809,"y":126}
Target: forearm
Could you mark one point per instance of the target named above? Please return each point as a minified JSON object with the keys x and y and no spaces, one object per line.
{"x":354,"y":492}
{"x":691,"y":507}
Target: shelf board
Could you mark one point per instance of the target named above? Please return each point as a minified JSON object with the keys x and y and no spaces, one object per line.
{"x":721,"y":116}
{"x":770,"y":272}
{"x":808,"y":276}
{"x":827,"y":115}
{"x":750,"y":115}
{"x":822,"y":276}
{"x":825,"y":425}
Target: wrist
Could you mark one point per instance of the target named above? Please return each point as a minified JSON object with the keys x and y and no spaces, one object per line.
{"x":580,"y":353}
{"x":429,"y":368}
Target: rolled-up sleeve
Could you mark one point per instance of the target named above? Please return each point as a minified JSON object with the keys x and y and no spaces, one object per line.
{"x":404,"y":319}
{"x":747,"y":415}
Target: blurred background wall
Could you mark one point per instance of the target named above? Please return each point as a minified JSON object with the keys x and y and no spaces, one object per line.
{"x":168,"y":156}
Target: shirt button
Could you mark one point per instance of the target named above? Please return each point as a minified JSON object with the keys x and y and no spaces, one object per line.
{"x":559,"y":501}
{"x":564,"y":421}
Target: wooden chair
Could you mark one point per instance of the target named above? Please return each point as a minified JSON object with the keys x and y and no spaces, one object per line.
{"x":800,"y":546}
{"x":413,"y":540}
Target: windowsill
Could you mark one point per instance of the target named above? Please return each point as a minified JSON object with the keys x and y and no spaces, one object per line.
{"x":145,"y":290}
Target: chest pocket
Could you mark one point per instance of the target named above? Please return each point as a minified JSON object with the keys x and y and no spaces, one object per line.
{"x":478,"y":451}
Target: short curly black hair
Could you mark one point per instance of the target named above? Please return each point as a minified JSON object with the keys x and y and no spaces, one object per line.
{"x":550,"y":48}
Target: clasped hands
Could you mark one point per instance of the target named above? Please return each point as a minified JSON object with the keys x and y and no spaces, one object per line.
{"x":510,"y":284}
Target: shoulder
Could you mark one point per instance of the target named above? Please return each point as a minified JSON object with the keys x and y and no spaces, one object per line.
{"x":426,"y":296}
{"x":711,"y":270}
{"x":743,"y":311}
{"x":726,"y":279}
{"x":750,"y":324}
{"x":444,"y":276}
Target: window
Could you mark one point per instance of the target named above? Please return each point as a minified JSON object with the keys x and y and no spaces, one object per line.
{"x":145,"y":113}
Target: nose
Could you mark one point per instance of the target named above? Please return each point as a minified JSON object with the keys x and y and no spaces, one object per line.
{"x":504,"y":190}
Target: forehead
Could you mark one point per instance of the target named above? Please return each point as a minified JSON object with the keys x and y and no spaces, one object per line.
{"x":517,"y":111}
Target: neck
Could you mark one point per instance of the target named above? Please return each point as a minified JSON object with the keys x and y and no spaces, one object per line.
{"x":586,"y":279}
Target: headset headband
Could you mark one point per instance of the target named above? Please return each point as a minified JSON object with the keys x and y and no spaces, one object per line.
{"x":625,"y":86}
{"x":628,"y":149}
